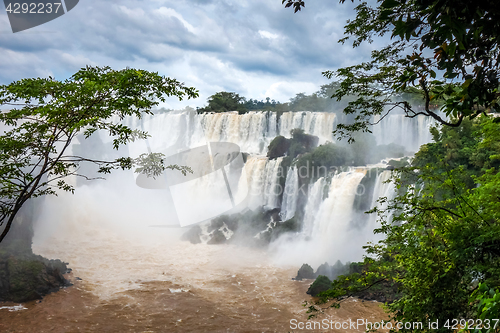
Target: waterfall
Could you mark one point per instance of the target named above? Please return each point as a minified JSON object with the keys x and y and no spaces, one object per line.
{"x":382,"y":188}
{"x":331,"y":236}
{"x":408,"y":132}
{"x":331,"y":228}
{"x":314,"y":199}
{"x":335,"y":212}
{"x":263,"y":177}
{"x":320,"y":124}
{"x":252,"y":131}
{"x":290,"y":194}
{"x":272,"y":188}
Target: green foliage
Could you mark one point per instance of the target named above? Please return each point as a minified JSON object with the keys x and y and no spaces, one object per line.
{"x":459,"y":39}
{"x":46,"y":115}
{"x":321,"y":284}
{"x":224,"y":101}
{"x":488,"y":308}
{"x":301,"y":142}
{"x":268,"y":105}
{"x":278,"y":147}
{"x":324,"y":157}
{"x":444,"y":236}
{"x":399,"y":163}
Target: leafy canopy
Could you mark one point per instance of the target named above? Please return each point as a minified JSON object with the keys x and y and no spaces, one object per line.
{"x":446,"y":50}
{"x":442,"y":230}
{"x":44,"y":115}
{"x":224,"y":101}
{"x":441,"y":249}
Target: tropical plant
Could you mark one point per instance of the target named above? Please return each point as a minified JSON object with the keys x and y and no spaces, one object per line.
{"x":45,"y":115}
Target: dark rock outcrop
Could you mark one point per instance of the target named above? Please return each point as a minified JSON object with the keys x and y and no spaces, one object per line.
{"x":217,"y":237}
{"x":385,"y":292}
{"x":305,"y":272}
{"x":322,"y":283}
{"x":324,"y":270}
{"x":25,"y":276}
{"x":192,"y":235}
{"x":29,"y":277}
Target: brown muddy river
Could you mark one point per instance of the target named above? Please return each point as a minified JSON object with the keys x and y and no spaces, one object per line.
{"x":145,"y":280}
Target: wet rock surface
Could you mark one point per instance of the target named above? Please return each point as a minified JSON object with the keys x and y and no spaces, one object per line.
{"x":29,"y":277}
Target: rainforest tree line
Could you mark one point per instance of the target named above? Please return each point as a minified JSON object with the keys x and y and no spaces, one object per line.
{"x":321,"y":100}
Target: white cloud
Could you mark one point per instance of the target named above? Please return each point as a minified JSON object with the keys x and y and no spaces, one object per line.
{"x":77,"y":60}
{"x":169,"y":12}
{"x":284,"y":90}
{"x":256,"y":48}
{"x":267,"y":34}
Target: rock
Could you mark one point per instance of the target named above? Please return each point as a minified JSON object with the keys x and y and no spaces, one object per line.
{"x":28,"y":278}
{"x":217,"y":223}
{"x":385,"y":292}
{"x":278,"y":147}
{"x":25,"y":276}
{"x":324,"y":269}
{"x":305,"y":272}
{"x":192,"y":235}
{"x":322,"y":283}
{"x":217,"y":238}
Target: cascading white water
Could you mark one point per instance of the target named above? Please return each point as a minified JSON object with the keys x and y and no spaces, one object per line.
{"x":314,"y":199}
{"x":408,"y":132}
{"x":252,"y":131}
{"x":332,"y":236}
{"x":290,"y":194}
{"x":263,"y":176}
{"x":383,"y":188}
{"x":320,"y":124}
{"x":324,"y":220}
{"x":335,"y":212}
{"x":271,"y":189}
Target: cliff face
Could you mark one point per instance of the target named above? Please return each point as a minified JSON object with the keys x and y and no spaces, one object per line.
{"x":29,"y":277}
{"x":25,"y":276}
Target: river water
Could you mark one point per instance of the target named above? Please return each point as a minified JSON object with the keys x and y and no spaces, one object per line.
{"x":145,"y":280}
{"x":136,"y":278}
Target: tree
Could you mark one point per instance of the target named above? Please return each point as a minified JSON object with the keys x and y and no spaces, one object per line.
{"x":444,"y":50}
{"x":225,"y":101}
{"x":441,"y":246}
{"x":46,"y":115}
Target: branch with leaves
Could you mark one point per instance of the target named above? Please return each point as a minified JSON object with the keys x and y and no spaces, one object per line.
{"x":45,"y":116}
{"x":447,"y":51}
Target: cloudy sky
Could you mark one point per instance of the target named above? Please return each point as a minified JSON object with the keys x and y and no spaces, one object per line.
{"x":256,"y":48}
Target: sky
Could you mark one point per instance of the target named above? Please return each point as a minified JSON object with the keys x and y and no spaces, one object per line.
{"x":255,"y":48}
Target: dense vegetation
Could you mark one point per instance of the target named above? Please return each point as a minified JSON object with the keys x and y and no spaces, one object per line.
{"x":429,"y":38}
{"x":224,"y":101}
{"x":441,"y":247}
